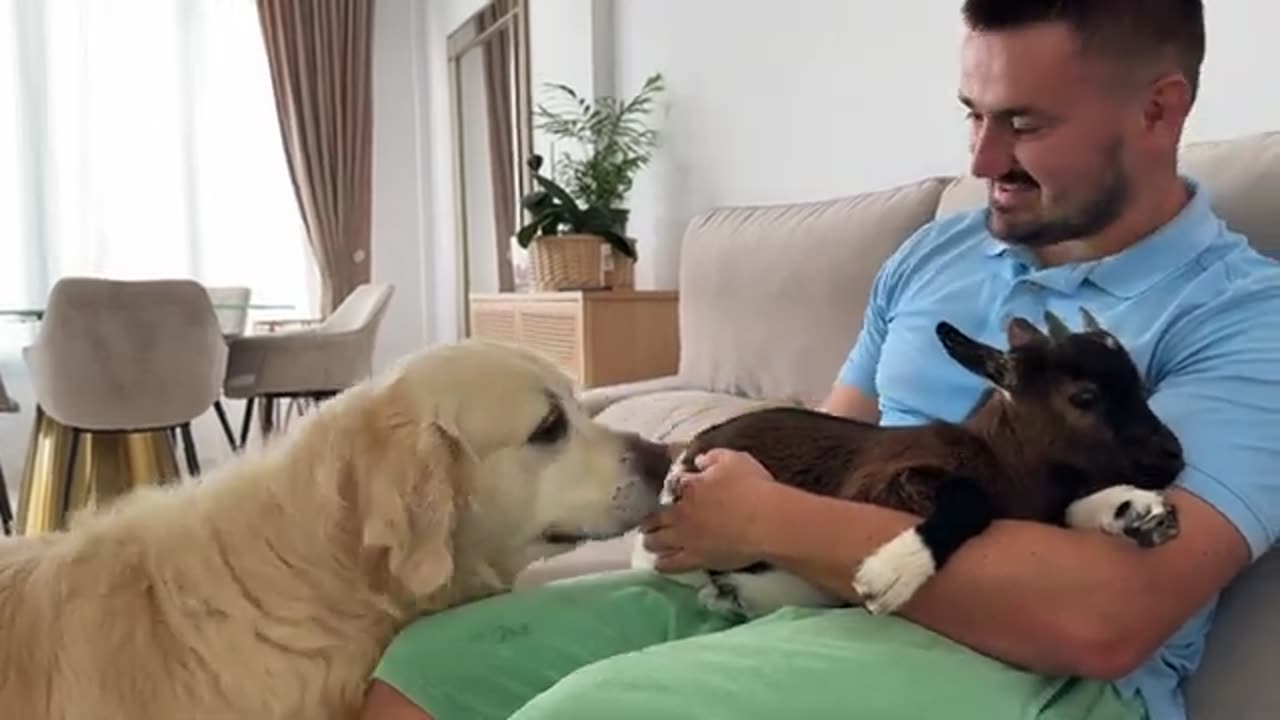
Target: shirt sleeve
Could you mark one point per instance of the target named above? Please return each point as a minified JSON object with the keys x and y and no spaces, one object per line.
{"x":859,"y":368}
{"x":1222,"y":399}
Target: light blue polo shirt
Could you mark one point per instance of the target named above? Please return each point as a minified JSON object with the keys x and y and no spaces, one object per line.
{"x":1196,"y":306}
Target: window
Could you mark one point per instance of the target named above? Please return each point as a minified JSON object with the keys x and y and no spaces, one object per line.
{"x":140,"y":139}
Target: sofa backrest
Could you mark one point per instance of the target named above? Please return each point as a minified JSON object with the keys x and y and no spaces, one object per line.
{"x":771,"y":297}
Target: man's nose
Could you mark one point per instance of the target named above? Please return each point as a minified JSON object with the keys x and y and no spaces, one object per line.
{"x":992,"y":152}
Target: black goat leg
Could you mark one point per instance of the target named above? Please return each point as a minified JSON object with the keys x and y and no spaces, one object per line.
{"x":890,"y":576}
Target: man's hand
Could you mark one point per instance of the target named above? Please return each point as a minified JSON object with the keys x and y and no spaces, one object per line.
{"x":722,"y":519}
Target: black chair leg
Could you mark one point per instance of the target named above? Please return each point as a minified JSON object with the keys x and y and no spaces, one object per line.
{"x":189,"y":449}
{"x":244,"y":424}
{"x":6,"y":510}
{"x":226,"y":424}
{"x":267,"y":416}
{"x":70,"y":476}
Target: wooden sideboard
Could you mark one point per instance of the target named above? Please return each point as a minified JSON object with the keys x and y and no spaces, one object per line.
{"x":598,"y":337}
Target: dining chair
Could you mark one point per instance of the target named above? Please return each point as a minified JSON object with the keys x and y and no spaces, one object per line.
{"x":119,"y":364}
{"x":231,"y":306}
{"x":7,"y":405}
{"x":313,"y":363}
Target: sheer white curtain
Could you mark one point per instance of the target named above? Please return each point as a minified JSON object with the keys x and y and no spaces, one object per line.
{"x":139,"y":139}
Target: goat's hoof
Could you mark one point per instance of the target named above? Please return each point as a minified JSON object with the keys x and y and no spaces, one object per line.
{"x":890,"y":576}
{"x":721,"y":597}
{"x":671,"y":483}
{"x":1151,"y":526}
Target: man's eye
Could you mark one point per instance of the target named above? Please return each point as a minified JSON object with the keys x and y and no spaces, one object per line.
{"x":1023,"y":125}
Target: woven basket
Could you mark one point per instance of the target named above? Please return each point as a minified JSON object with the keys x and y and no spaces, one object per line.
{"x":566,"y":262}
{"x":619,"y":270}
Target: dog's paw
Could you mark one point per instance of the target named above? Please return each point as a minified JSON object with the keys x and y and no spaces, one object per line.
{"x":1141,"y":515}
{"x":890,"y":576}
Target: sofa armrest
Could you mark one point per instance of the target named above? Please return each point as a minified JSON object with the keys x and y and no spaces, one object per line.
{"x":597,"y":399}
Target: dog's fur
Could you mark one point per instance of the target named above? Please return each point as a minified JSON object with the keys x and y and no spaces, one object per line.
{"x":268,"y":588}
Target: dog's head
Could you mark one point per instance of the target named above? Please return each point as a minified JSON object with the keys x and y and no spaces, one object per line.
{"x":476,"y":458}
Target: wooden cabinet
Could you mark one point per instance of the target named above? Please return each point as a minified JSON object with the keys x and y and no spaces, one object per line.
{"x":598,"y":337}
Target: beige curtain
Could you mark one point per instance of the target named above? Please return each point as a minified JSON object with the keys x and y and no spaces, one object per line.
{"x":320,"y":56}
{"x":498,"y":59}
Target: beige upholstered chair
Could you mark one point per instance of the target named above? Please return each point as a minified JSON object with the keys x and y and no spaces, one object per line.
{"x":231,"y":306}
{"x":314,"y":363}
{"x":7,"y":405}
{"x":116,"y":357}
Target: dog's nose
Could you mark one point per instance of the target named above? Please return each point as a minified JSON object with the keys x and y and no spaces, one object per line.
{"x":651,"y":460}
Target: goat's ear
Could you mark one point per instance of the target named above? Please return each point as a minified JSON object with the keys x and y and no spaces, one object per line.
{"x":1021,"y":332}
{"x":976,"y":357}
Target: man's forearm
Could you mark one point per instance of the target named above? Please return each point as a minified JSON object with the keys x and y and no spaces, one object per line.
{"x":1033,"y":595}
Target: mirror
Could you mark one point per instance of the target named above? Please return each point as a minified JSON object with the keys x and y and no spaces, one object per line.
{"x":489,"y":102}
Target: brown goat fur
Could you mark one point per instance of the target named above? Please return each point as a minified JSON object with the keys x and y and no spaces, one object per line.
{"x":1065,"y":418}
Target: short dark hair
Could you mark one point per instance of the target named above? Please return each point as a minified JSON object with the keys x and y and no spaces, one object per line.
{"x":1127,"y":29}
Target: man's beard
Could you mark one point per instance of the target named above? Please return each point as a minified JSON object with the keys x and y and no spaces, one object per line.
{"x":1101,"y":210}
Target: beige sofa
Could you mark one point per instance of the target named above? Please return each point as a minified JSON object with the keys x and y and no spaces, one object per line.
{"x":772,"y":297}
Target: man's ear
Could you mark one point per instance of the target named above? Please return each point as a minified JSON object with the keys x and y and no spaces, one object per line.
{"x":976,"y":357}
{"x":407,"y":477}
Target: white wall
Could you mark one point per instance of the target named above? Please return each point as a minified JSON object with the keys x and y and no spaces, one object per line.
{"x":403,"y":237}
{"x":776,"y":103}
{"x":768,"y":101}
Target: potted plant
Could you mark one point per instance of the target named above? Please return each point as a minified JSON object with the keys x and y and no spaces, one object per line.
{"x":579,"y":218}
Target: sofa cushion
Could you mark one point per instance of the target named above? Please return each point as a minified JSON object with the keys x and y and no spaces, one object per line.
{"x":1241,"y":653}
{"x":1241,"y":174}
{"x":1243,"y":178}
{"x":961,"y":194}
{"x":676,"y":415}
{"x":772,"y":297}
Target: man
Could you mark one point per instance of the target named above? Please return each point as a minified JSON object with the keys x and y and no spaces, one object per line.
{"x":1077,"y":109}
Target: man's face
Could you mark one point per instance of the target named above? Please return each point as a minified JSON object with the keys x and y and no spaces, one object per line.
{"x":1046,"y":133}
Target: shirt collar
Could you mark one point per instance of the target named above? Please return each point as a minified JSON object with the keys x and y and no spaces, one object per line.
{"x":1136,"y":268}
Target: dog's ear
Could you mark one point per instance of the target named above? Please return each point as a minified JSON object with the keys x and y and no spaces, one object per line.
{"x":406,"y":475}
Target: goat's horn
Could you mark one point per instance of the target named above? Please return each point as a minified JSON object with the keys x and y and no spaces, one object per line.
{"x":1058,"y":330}
{"x":1090,"y":322}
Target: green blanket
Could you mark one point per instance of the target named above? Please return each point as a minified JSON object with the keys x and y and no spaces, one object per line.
{"x":632,"y":645}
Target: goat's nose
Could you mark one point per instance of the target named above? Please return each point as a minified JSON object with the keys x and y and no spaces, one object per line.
{"x":650,"y":460}
{"x":1169,"y":446}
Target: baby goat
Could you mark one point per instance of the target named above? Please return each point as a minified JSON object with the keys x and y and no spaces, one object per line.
{"x":1063,"y":436}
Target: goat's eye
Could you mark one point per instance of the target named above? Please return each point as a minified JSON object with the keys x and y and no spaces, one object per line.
{"x":554,"y":425}
{"x":1084,"y":399}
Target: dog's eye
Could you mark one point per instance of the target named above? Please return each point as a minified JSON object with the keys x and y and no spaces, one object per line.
{"x":554,"y":425}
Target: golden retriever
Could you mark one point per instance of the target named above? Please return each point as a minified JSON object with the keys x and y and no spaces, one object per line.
{"x":267,"y":589}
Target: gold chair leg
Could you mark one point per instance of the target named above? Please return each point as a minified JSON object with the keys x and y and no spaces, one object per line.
{"x":106,"y":465}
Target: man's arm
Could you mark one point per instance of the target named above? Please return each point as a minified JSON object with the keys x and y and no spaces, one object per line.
{"x":851,"y":402}
{"x":1054,"y":600}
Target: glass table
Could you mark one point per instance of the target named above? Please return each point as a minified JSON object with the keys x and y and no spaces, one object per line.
{"x":34,"y":313}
